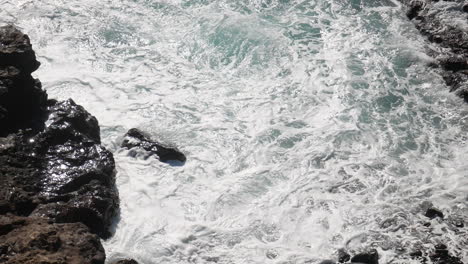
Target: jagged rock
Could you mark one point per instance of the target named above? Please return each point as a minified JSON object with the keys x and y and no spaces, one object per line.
{"x":136,"y":138}
{"x":126,"y":261}
{"x":455,"y":64}
{"x":16,"y":50}
{"x":431,"y":20}
{"x":442,"y":256}
{"x":343,"y":256}
{"x":418,"y":255}
{"x":22,"y":101}
{"x":370,"y":257}
{"x":414,"y":9}
{"x":433,"y":213}
{"x":62,"y":172}
{"x":52,"y":163}
{"x":57,"y":183}
{"x":28,"y":240}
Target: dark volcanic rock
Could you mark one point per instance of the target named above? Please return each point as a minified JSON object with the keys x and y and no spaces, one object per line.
{"x":62,"y":173}
{"x":343,"y":256}
{"x":454,"y":64}
{"x":22,"y":101}
{"x":414,"y":9}
{"x":57,"y":183}
{"x":28,"y":240}
{"x":136,"y":138}
{"x":431,"y":19}
{"x":16,"y":50}
{"x":370,"y":257}
{"x":433,"y":213}
{"x":327,"y":261}
{"x":52,"y":163}
{"x":442,"y":256}
{"x":126,"y":261}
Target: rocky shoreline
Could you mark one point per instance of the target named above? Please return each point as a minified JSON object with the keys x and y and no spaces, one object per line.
{"x":444,"y":23}
{"x":57,"y":182}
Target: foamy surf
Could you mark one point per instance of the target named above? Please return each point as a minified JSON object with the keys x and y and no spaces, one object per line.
{"x":308,"y":126}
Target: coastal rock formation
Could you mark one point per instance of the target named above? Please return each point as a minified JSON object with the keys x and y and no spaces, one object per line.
{"x":137,"y":139}
{"x":22,"y":101}
{"x":29,"y":240}
{"x":62,"y":173}
{"x":444,"y":23}
{"x":57,"y":182}
{"x":16,"y":50}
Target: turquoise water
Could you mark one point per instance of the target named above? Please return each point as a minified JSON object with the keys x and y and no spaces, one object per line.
{"x":309,"y":126}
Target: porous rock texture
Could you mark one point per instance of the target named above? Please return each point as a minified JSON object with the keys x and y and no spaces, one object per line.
{"x":56,"y":179}
{"x":28,"y":240}
{"x":445,"y":23}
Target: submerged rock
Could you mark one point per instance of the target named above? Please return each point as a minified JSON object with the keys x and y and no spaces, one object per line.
{"x":369,"y":257}
{"x":440,"y":255}
{"x":29,"y":240}
{"x":136,"y":138}
{"x":343,"y":256}
{"x":327,"y":261}
{"x":126,"y":261}
{"x":433,"y":213}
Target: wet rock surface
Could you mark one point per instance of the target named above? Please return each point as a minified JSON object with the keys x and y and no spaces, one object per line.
{"x":445,"y":24}
{"x":22,"y":101}
{"x":440,"y":255}
{"x":126,"y":261}
{"x":433,"y":213}
{"x":369,"y":257}
{"x":57,"y":183}
{"x":62,"y":173}
{"x":135,"y":138}
{"x":343,"y":256}
{"x":29,"y":240}
{"x":16,"y":50}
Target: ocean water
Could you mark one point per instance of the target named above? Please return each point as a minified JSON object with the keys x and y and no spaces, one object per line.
{"x":309,"y":126}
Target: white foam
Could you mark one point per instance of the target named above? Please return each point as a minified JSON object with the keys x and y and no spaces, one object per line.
{"x":308,"y":126}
